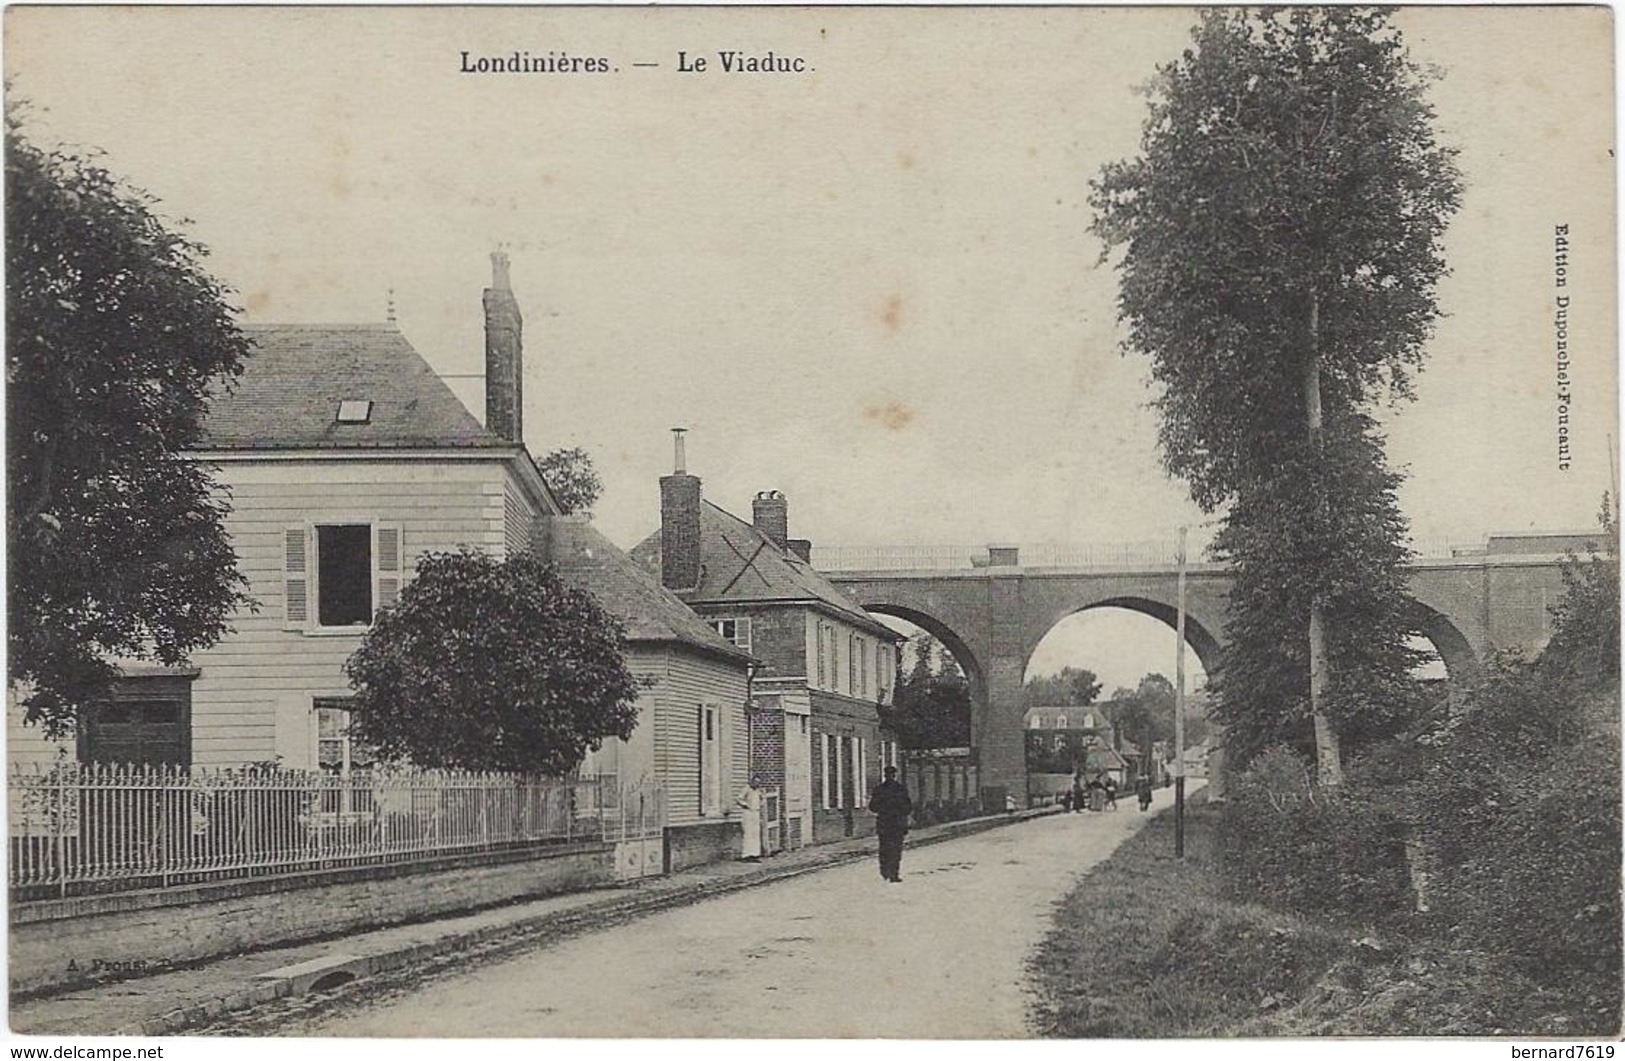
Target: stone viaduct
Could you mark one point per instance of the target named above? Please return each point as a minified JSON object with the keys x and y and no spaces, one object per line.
{"x":992,"y":612}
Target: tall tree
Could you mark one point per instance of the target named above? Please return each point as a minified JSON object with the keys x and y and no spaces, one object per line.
{"x":1281,"y":249}
{"x":489,"y":664}
{"x":114,"y":336}
{"x":926,"y":648}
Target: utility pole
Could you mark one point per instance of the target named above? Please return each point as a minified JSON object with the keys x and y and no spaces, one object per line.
{"x":1179,"y":710}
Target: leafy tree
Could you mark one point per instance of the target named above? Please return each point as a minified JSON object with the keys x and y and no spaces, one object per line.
{"x":114,"y":336}
{"x":1584,"y":647}
{"x":1281,"y":249}
{"x":569,"y":474}
{"x":1145,"y":715}
{"x":487,"y":664}
{"x":931,"y":706}
{"x":1069,"y":687}
{"x":1280,"y":538}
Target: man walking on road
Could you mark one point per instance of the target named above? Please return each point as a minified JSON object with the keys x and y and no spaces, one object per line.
{"x":891,"y":807}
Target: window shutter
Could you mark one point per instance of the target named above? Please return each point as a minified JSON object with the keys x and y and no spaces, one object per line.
{"x":386,"y":562}
{"x":296,"y":577}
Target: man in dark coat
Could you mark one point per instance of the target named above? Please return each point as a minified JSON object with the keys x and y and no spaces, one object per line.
{"x":1142,"y":788}
{"x":891,"y":807}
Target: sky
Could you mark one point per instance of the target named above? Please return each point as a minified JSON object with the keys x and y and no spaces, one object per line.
{"x":870,"y":285}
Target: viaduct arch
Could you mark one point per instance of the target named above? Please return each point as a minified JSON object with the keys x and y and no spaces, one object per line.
{"x":992,"y":617}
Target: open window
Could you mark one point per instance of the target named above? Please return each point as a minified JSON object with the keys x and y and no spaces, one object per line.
{"x":337,"y":575}
{"x":734,"y":631}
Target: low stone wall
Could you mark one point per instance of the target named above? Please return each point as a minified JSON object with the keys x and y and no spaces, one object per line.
{"x":62,"y":943}
{"x":695,"y":845}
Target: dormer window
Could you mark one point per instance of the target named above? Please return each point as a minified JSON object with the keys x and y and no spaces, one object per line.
{"x":355,"y":411}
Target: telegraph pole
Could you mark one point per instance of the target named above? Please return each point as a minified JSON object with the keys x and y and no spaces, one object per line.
{"x":1179,"y":711}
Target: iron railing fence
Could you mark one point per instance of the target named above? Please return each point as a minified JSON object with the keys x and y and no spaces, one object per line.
{"x":967,"y":557}
{"x":635,"y":811}
{"x":84,"y":829}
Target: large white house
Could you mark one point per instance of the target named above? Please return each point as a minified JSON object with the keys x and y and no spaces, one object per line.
{"x":346,"y":459}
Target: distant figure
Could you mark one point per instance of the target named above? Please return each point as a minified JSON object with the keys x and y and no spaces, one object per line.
{"x":1142,"y":788}
{"x":1078,"y":798}
{"x":1108,"y":785}
{"x":891,"y":807}
{"x":749,"y":800}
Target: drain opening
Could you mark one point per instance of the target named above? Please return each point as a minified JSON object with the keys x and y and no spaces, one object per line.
{"x":331,"y":980}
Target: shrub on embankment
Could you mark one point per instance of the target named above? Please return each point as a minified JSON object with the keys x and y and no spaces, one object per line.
{"x":1508,"y":795}
{"x":1510,"y":802}
{"x":1148,"y":946}
{"x":1297,"y":911}
{"x":1286,"y":841}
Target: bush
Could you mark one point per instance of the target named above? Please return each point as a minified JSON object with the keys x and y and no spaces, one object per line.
{"x":487,"y":664}
{"x":1527,"y":845}
{"x":1289,"y":842}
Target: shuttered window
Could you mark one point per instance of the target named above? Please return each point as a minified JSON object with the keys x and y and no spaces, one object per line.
{"x":832,"y":771}
{"x":296,"y":576}
{"x":386,"y":555}
{"x":337,"y":575}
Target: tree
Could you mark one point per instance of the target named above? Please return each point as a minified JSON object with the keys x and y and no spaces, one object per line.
{"x":1281,"y":249}
{"x":487,"y":664}
{"x":931,"y":705}
{"x":1145,"y":714}
{"x":1584,"y":647}
{"x":1069,"y":687}
{"x":114,"y":337}
{"x":569,"y":474}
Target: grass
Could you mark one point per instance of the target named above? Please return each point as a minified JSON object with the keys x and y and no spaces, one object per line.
{"x":1152,"y":947}
{"x":1149,"y":946}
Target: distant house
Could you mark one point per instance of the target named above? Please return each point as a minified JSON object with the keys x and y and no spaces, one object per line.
{"x":825,"y":665}
{"x":346,"y":459}
{"x":1091,"y":719}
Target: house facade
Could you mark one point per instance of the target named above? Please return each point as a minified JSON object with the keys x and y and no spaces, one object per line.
{"x":345,"y":459}
{"x":824,"y":666}
{"x":692,"y":733}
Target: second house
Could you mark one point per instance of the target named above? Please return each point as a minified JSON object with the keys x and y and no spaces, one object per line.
{"x":826,"y":667}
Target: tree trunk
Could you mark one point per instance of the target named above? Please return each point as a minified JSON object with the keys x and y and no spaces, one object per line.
{"x":1328,"y":751}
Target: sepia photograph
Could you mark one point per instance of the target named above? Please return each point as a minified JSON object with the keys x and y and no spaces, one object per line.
{"x":812,"y":523}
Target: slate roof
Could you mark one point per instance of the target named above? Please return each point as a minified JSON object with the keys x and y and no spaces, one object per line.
{"x":588,"y":560}
{"x":741,"y":565}
{"x":292,"y":382}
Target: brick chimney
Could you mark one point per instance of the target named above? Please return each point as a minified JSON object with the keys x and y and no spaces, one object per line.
{"x":771,"y":514}
{"x":802,"y":547}
{"x":504,"y":356}
{"x":679,"y":522}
